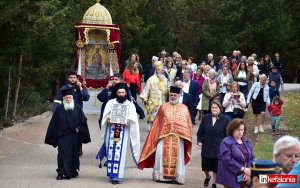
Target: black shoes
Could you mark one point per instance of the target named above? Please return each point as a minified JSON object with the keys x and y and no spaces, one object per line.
{"x":206,"y":181}
{"x":115,"y":182}
{"x":75,"y":174}
{"x":213,"y":185}
{"x":60,"y":177}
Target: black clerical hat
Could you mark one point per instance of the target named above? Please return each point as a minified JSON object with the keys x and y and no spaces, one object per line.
{"x":67,"y":91}
{"x":174,"y":89}
{"x":121,"y":86}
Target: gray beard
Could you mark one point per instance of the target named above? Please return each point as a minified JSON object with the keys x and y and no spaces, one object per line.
{"x":69,"y":106}
{"x":174,"y":102}
{"x":161,"y":76}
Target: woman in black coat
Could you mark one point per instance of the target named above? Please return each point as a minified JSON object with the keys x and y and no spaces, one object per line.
{"x":211,"y":132}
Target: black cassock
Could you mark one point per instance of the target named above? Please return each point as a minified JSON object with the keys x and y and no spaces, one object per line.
{"x":62,"y":133}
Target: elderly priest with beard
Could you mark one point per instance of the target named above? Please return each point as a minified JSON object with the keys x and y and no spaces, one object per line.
{"x":67,"y":128}
{"x":121,"y":124}
{"x":168,"y":146}
{"x":155,"y":92}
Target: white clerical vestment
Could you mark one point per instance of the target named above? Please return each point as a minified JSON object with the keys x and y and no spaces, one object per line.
{"x":116,"y":149}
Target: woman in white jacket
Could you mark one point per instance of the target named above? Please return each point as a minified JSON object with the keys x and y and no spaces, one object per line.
{"x":259,"y":98}
{"x":233,"y":99}
{"x":170,"y":71}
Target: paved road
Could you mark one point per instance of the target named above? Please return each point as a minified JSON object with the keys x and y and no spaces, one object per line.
{"x":292,"y":87}
{"x":25,"y":161}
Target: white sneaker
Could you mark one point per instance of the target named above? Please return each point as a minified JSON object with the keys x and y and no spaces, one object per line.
{"x":255,"y":130}
{"x":261,"y":129}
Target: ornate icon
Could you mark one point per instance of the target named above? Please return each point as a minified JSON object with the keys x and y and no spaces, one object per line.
{"x":119,"y":114}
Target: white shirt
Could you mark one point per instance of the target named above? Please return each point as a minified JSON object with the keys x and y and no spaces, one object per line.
{"x":186,"y":86}
{"x":242,"y":74}
{"x":181,"y":97}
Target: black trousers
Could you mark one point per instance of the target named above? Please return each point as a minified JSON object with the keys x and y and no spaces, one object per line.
{"x":133,"y":90}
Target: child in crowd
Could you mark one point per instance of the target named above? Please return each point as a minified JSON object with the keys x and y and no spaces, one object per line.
{"x":273,"y":91}
{"x":275,"y":110}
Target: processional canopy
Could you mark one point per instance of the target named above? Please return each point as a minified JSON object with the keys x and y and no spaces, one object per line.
{"x":97,"y":14}
{"x":98,"y":50}
{"x":98,"y":47}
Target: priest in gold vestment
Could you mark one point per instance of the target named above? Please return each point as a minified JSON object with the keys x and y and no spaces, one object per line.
{"x":168,"y":146}
{"x":155,"y":92}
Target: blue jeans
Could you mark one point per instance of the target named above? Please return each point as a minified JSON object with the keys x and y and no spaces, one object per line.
{"x":243,"y":89}
{"x":229,"y":116}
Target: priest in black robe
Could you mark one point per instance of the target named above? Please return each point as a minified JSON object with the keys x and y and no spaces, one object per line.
{"x":68,"y":127}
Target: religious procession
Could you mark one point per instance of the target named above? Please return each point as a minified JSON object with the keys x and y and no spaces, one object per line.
{"x":172,"y":94}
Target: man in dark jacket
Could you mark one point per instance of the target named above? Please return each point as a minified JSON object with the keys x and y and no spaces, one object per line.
{"x":67,"y":129}
{"x":186,"y":99}
{"x":149,"y":71}
{"x":191,"y":87}
{"x":104,"y":96}
{"x":80,"y":94}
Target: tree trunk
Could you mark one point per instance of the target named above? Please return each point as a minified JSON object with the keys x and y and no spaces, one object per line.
{"x":17,"y":88}
{"x":7,"y":95}
{"x":296,"y":76}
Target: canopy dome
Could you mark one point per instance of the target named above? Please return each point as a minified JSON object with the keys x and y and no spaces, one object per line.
{"x":97,"y":14}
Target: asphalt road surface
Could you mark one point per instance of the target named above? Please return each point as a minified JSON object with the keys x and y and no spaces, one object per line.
{"x":25,"y":161}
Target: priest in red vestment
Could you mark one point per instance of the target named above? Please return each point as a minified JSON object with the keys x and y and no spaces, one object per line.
{"x":168,"y":146}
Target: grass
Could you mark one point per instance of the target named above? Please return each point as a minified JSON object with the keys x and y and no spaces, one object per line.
{"x":291,"y":112}
{"x":263,"y":148}
{"x":290,"y":122}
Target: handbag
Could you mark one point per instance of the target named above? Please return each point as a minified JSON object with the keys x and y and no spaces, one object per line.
{"x":238,"y":113}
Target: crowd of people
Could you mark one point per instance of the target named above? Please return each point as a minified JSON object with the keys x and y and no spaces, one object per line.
{"x":174,"y":92}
